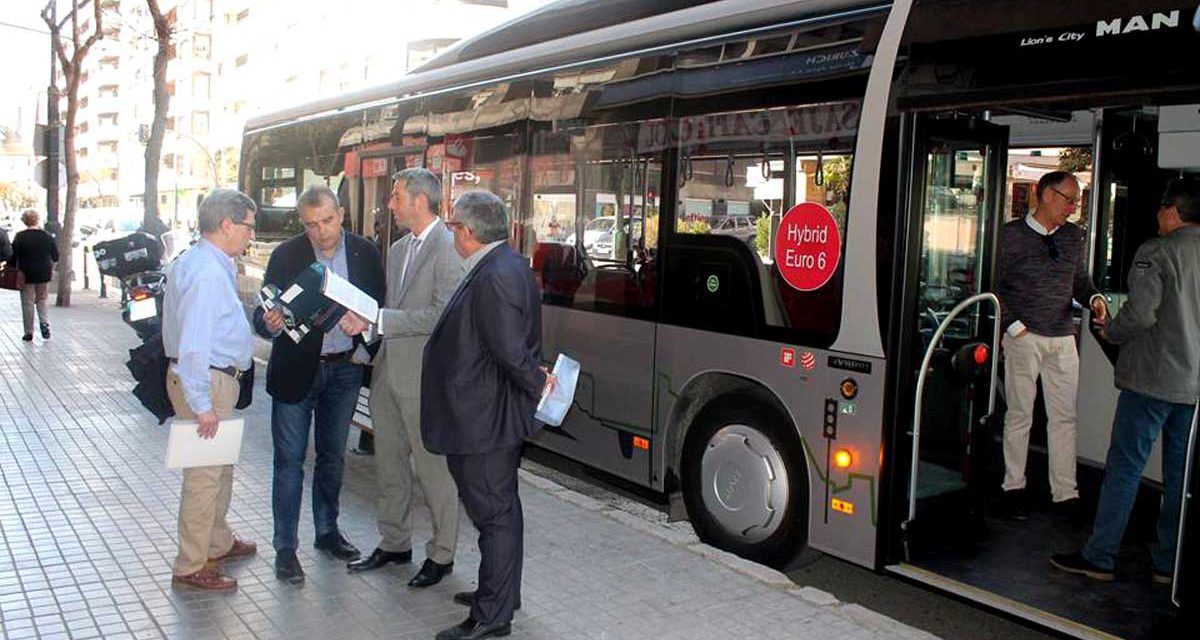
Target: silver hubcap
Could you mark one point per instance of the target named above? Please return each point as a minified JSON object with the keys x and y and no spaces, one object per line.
{"x":744,"y":482}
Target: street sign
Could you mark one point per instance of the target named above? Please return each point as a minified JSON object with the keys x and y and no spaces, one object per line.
{"x":41,"y":176}
{"x":39,"y":140}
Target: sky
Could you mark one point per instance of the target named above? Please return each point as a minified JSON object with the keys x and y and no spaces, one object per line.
{"x":26,"y":70}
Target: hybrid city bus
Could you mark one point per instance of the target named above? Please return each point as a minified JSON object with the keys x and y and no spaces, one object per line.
{"x":767,"y":229}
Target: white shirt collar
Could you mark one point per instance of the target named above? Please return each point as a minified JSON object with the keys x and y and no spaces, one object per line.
{"x":1037,"y":226}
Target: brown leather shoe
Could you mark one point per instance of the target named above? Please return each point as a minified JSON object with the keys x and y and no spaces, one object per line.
{"x":240,"y":549}
{"x":209,"y":579}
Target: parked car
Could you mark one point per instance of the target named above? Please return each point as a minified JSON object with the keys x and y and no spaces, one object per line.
{"x":740,"y":227}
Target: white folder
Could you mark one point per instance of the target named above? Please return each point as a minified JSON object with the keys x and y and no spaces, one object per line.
{"x":186,"y":449}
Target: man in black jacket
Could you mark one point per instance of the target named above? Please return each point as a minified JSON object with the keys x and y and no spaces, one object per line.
{"x":480,"y":384}
{"x":320,"y":376}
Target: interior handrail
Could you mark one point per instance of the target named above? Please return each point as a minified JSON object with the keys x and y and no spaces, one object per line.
{"x":916,"y":421}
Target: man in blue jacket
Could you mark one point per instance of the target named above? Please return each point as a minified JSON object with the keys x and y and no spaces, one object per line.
{"x":318,"y":377}
{"x":481,"y":381}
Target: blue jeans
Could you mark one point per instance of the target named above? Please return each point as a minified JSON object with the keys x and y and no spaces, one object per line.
{"x":331,"y":400}
{"x":1136,"y":426}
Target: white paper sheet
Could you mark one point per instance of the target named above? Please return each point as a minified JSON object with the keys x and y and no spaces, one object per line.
{"x":186,"y":449}
{"x":340,"y":290}
{"x":553,"y":406}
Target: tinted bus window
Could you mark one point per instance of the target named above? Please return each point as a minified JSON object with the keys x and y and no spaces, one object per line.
{"x":598,"y":138}
{"x":741,"y":172}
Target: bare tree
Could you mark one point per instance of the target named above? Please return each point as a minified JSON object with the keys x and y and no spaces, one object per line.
{"x":72,"y":71}
{"x":163,"y":32}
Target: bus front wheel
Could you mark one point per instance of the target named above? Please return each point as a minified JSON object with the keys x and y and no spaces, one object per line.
{"x":743,"y":480}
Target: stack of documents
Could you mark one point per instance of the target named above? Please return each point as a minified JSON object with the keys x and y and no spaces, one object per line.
{"x":554,"y":405}
{"x":186,"y":449}
{"x":317,"y":299}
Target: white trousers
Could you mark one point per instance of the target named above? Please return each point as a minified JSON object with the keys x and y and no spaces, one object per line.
{"x":1056,"y":361}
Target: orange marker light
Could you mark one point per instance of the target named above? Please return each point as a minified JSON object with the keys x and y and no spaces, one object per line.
{"x":641,"y":443}
{"x":843,"y":459}
{"x":849,"y":388}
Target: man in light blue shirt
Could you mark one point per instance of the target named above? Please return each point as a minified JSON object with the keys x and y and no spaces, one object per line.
{"x":207,"y":337}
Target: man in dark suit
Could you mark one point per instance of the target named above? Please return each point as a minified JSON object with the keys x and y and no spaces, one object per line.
{"x":480,"y":385}
{"x":320,"y":376}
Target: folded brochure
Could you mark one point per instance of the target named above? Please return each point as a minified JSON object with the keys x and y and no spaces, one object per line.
{"x":317,"y":299}
{"x":553,"y":406}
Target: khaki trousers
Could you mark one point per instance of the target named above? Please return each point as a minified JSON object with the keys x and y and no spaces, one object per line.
{"x":204,"y":501}
{"x":33,"y":296}
{"x":1056,"y":361}
{"x":397,"y":424}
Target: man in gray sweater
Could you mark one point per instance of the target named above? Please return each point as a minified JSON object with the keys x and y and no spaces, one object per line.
{"x":1158,"y":373}
{"x":1041,"y":269}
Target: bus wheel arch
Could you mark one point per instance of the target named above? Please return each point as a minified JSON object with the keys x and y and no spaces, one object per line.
{"x":738,"y":461}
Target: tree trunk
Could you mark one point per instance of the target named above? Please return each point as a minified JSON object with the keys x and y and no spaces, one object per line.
{"x":72,"y":67}
{"x":65,"y":254}
{"x":162,"y":101}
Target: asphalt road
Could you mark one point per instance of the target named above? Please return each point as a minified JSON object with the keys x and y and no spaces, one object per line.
{"x":917,"y":606}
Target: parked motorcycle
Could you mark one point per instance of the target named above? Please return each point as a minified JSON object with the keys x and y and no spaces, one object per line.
{"x":136,"y":260}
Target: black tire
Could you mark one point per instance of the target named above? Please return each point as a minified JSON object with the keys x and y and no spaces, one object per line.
{"x":788,"y":536}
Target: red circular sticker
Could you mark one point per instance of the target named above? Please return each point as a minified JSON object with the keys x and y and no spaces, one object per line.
{"x":808,"y":246}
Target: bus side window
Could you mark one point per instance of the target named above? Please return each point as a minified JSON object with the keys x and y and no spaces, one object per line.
{"x":595,"y":218}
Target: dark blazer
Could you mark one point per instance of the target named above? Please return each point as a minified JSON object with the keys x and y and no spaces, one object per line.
{"x":292,"y":366}
{"x":481,"y":377}
{"x":34,"y":253}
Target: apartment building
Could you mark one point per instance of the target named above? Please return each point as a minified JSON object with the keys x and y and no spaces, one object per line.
{"x":234,"y":59}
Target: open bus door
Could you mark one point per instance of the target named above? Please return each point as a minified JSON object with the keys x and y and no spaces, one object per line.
{"x":957,"y":183}
{"x":1185,"y":592}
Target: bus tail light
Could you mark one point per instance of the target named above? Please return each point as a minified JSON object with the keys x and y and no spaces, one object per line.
{"x":843,"y":459}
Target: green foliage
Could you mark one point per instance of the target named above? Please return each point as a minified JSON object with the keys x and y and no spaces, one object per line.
{"x":14,"y":198}
{"x":1075,"y":159}
{"x":693,"y":226}
{"x":762,"y":234}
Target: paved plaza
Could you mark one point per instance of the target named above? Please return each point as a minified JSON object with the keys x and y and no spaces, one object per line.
{"x":87,"y":533}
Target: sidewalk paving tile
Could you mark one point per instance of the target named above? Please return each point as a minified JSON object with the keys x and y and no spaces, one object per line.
{"x":87,"y":533}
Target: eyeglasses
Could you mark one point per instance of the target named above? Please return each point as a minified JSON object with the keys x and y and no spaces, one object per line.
{"x":248,"y":225}
{"x":452,"y":225}
{"x":1051,"y":247}
{"x":1068,"y":198}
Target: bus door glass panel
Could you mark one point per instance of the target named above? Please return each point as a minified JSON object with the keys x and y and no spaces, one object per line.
{"x":739,"y":174}
{"x":959,"y":182}
{"x":1129,"y":185}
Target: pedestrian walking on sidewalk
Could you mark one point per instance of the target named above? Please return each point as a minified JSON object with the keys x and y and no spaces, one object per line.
{"x":314,"y":383}
{"x":34,"y":253}
{"x":207,"y":337}
{"x":422,"y":273}
{"x":480,"y":384}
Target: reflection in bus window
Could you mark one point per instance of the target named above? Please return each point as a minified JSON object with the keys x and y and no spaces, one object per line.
{"x":741,"y":172}
{"x":595,"y":216}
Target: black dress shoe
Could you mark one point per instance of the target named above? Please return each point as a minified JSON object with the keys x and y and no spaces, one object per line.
{"x":430,"y":574}
{"x":338,"y":546}
{"x":287,"y":567}
{"x":379,"y":558}
{"x":1014,"y":505}
{"x":469,"y":629}
{"x":45,"y":331}
{"x":467,"y":598}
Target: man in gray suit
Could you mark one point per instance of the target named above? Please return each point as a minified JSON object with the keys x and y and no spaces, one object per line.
{"x":423,"y":271}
